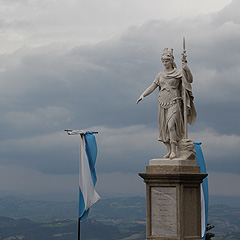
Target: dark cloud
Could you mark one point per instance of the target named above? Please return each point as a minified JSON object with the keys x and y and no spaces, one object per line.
{"x":46,"y":90}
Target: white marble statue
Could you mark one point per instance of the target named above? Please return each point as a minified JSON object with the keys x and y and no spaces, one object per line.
{"x":175,"y":105}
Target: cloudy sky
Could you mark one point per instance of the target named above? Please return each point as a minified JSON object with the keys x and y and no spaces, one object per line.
{"x":82,"y":64}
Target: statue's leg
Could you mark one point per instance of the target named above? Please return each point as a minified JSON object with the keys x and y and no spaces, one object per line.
{"x":173,"y":138}
{"x":173,"y":151}
{"x":168,"y":149}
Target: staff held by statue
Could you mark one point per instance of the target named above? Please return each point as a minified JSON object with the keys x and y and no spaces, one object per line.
{"x":184,"y":61}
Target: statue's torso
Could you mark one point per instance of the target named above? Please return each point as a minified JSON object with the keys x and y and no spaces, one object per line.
{"x":169,"y":84}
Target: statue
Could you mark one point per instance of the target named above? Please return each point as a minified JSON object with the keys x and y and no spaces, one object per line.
{"x":175,"y":105}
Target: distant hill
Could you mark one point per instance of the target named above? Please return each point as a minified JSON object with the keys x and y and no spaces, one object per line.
{"x":232,"y":201}
{"x":120,"y":211}
{"x":117,"y":215}
{"x":38,"y":211}
{"x":106,"y":210}
{"x":226,"y":221}
{"x":64,"y":230}
{"x":120,"y":218}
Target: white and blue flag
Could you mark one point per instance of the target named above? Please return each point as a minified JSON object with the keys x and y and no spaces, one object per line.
{"x":87,"y":174}
{"x":204,"y":188}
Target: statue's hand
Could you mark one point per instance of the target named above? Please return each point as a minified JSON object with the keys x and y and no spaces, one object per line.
{"x":140,"y":99}
{"x":184,"y":57}
{"x":185,"y":66}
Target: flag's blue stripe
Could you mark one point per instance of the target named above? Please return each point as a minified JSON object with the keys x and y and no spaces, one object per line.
{"x":84,"y":216}
{"x":91,"y":151}
{"x":81,"y":208}
{"x":82,"y":213}
{"x":203,"y":169}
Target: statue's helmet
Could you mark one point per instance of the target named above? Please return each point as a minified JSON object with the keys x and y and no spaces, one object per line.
{"x":167,"y":54}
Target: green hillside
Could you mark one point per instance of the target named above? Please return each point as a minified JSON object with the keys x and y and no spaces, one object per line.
{"x":226,"y":221}
{"x":64,"y":230}
{"x":106,"y":210}
{"x":121,"y":218}
{"x":39,"y":211}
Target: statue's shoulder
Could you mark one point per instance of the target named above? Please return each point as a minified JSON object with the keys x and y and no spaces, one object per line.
{"x":177,"y":73}
{"x":160,"y":73}
{"x":156,"y":80}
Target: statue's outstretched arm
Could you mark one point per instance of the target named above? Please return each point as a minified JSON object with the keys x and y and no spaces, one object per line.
{"x":148,"y":91}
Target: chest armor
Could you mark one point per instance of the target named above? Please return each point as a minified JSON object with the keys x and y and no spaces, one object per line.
{"x":167,"y":97}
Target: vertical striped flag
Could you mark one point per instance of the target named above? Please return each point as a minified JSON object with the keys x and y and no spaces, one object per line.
{"x":87,"y":174}
{"x":204,"y":188}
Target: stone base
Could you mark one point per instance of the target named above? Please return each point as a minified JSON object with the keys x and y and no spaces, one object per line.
{"x":173,"y":199}
{"x":172,"y":162}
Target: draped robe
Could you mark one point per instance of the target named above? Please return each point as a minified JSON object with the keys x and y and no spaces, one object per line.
{"x":172,"y":86}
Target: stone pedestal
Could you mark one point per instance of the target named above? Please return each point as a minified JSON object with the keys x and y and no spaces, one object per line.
{"x":173,"y":199}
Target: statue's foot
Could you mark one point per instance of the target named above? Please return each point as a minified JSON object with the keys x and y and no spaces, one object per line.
{"x":173,"y":155}
{"x":167,"y":155}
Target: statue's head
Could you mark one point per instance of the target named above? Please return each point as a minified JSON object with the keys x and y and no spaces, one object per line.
{"x":168,"y":55}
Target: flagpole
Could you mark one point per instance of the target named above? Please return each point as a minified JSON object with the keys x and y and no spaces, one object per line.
{"x":79,"y":220}
{"x":79,"y":225}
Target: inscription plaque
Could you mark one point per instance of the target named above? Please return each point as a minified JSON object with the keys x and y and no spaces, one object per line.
{"x":163,"y":211}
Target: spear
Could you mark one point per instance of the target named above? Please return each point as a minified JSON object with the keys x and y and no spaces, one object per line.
{"x":184,"y":91}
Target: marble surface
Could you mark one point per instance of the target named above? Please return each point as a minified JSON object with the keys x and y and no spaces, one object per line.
{"x":175,"y":105}
{"x":163,"y":211}
{"x":172,"y":162}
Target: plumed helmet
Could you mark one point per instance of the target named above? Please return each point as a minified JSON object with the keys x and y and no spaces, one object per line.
{"x":167,"y":54}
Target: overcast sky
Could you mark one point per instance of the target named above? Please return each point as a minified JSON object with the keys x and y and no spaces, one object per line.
{"x":82,"y":64}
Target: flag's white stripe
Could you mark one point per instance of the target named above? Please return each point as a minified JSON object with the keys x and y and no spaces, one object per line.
{"x":85,"y":179}
{"x":203,"y":217}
